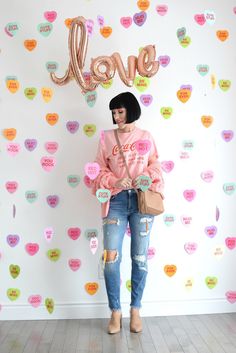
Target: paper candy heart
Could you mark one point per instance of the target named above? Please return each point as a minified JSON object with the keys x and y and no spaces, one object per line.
{"x":181,"y":33}
{"x":151,"y":253}
{"x":91,"y":97}
{"x":207,"y":120}
{"x":166,"y":112}
{"x":14,"y":270}
{"x":54,"y":254}
{"x":13,"y":149}
{"x":141,"y":83}
{"x":202,"y":69}
{"x":229,"y":188}
{"x":200,"y":19}
{"x":47,"y":94}
{"x":73,"y":180}
{"x":49,"y":303}
{"x":170,"y":270}
{"x":169,"y":219}
{"x":106,"y":31}
{"x":31,"y":196}
{"x":74,"y":264}
{"x":164,"y":60}
{"x":185,"y":42}
{"x":30,"y":44}
{"x":143,"y":4}
{"x":91,"y":288}
{"x":227,"y":135}
{"x":31,"y":144}
{"x":144,"y":182}
{"x":48,"y":233}
{"x":45,"y":28}
{"x":190,"y":247}
{"x":140,"y":18}
{"x":12,"y":28}
{"x":230,"y":242}
{"x":51,"y":66}
{"x":89,"y":27}
{"x":35,"y":300}
{"x":92,"y":170}
{"x":74,"y":233}
{"x":183,"y":95}
{"x":51,"y":147}
{"x":211,"y":282}
{"x":13,"y":240}
{"x":126,"y":21}
{"x":72,"y":126}
{"x":50,"y":16}
{"x":89,"y":129}
{"x":222,"y":35}
{"x":211,"y":231}
{"x":224,"y":85}
{"x":48,"y":163}
{"x":32,"y":248}
{"x":53,"y":200}
{"x":231,"y":296}
{"x":128,"y":285}
{"x":146,"y":99}
{"x":11,"y":186}
{"x":12,"y":85}
{"x":189,"y":195}
{"x":13,"y":293}
{"x":186,"y":220}
{"x":167,"y":166}
{"x":10,"y":133}
{"x":52,"y":118}
{"x":30,"y":92}
{"x":207,"y":176}
{"x":210,"y":17}
{"x":93,"y":244}
{"x":103,"y":195}
{"x":162,"y":9}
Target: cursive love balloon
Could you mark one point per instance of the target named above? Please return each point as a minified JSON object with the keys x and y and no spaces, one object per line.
{"x":145,"y":63}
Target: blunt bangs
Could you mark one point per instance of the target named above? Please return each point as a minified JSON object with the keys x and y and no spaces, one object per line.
{"x":129,"y":101}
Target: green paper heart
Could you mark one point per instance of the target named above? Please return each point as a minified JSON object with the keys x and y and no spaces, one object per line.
{"x":103,"y":195}
{"x":203,"y":69}
{"x":73,"y":180}
{"x":31,"y":196}
{"x":141,"y":83}
{"x":30,"y":92}
{"x":54,"y":254}
{"x":89,"y":129}
{"x":144,"y":182}
{"x":49,"y":303}
{"x":185,"y":42}
{"x":166,"y":112}
{"x":13,"y":293}
{"x":14,"y":270}
{"x":128,"y":285}
{"x":211,"y":282}
{"x":45,"y":28}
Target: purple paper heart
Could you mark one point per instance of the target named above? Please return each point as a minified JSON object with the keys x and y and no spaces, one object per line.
{"x":227,"y":135}
{"x":189,"y":87}
{"x":140,"y":18}
{"x":52,"y":200}
{"x":164,"y":60}
{"x":13,"y":240}
{"x":211,"y":231}
{"x":30,"y":144}
{"x":72,"y":126}
{"x":146,"y":99}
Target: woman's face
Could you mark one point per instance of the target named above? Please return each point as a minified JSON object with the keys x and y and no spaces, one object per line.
{"x":119,"y":116}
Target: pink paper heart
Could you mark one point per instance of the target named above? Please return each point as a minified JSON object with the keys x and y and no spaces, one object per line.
{"x":140,"y":18}
{"x":231,"y":296}
{"x":92,"y":170}
{"x":164,"y":60}
{"x":189,"y":195}
{"x":74,"y":264}
{"x":48,"y":233}
{"x":51,"y":147}
{"x":11,"y":186}
{"x":88,"y":182}
{"x":211,"y":231}
{"x":13,"y":148}
{"x":190,"y":247}
{"x":207,"y":176}
{"x":53,"y":200}
{"x":162,"y":9}
{"x":50,"y":16}
{"x":151,"y":253}
{"x":35,"y":300}
{"x":186,"y":220}
{"x":48,"y":163}
{"x":167,"y":166}
{"x":126,"y":21}
{"x":146,"y":99}
{"x":74,"y":233}
{"x":230,"y":242}
{"x":200,"y":19}
{"x":143,"y":146}
{"x":32,"y":248}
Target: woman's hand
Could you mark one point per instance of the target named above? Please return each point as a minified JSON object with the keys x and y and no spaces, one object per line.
{"x":123,"y":183}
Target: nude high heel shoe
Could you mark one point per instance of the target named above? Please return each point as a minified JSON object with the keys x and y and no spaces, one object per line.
{"x":115,"y":323}
{"x":135,"y":321}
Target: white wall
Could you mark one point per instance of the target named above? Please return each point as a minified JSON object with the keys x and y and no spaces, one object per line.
{"x":213,"y":258}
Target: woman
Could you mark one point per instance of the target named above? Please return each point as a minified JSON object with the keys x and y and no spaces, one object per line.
{"x":122,"y":208}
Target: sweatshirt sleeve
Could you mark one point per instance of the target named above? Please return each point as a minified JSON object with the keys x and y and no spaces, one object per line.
{"x":153,"y":169}
{"x":105,"y":179}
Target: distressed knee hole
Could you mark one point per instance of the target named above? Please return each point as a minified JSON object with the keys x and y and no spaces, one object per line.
{"x":141,"y":262}
{"x":110,"y":256}
{"x":111,"y":221}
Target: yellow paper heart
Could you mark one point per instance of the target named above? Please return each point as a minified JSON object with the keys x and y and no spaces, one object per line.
{"x":12,"y":85}
{"x":184,"y":95}
{"x":206,"y":120}
{"x":47,"y":94}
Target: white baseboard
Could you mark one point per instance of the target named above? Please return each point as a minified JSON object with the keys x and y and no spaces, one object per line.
{"x":100,"y":310}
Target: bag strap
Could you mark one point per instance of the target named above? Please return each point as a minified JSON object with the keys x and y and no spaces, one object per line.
{"x":121,"y":152}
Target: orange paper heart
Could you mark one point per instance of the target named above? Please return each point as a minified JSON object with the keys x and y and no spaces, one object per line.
{"x":30,"y":44}
{"x":170,"y":270}
{"x":184,"y":95}
{"x":52,"y":118}
{"x":106,"y":31}
{"x":206,"y":120}
{"x":222,"y":35}
{"x":68,"y":22}
{"x":10,"y":134}
{"x":143,"y":5}
{"x":91,"y":287}
{"x":12,"y":85}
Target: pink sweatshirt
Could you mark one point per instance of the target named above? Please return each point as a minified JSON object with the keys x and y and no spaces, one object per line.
{"x":141,"y":156}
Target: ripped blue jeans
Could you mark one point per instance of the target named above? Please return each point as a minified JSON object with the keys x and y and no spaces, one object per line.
{"x":123,"y":211}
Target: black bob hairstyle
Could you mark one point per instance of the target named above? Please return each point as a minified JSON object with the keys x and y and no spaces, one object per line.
{"x":129,"y":101}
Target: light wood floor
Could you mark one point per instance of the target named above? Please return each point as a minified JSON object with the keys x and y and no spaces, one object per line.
{"x":215,"y":333}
